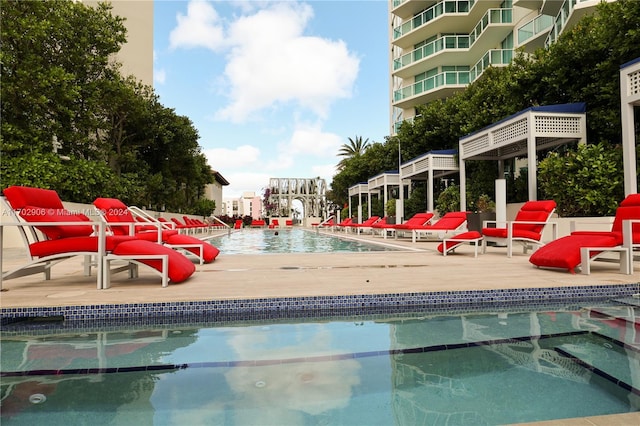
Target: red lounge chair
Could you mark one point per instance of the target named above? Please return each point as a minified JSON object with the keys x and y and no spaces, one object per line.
{"x":450,"y":244}
{"x":122,"y":222}
{"x":417,"y":221}
{"x":450,"y":224}
{"x":526,"y":229}
{"x":580,"y":247}
{"x":63,"y":235}
{"x":379,"y":226}
{"x":180,"y":226}
{"x":326,"y":224}
{"x":364,"y":226}
{"x":195,"y":225}
{"x":238,"y":224}
{"x":258,"y":223}
{"x":344,"y":223}
{"x":274,"y":224}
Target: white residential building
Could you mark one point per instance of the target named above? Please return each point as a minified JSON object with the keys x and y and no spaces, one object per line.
{"x":438,"y":47}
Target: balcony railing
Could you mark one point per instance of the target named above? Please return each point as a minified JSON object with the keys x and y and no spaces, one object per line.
{"x":540,"y":24}
{"x":561,"y":20}
{"x":492,"y":17}
{"x":494,"y":57}
{"x":438,"y":45}
{"x":435,"y":11}
{"x":446,"y":78}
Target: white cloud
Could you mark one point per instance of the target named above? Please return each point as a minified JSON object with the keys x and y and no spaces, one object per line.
{"x":201,"y":27}
{"x":222,"y":159}
{"x":325,"y":171}
{"x":159,"y":76}
{"x":241,"y":182}
{"x":311,"y":140}
{"x":272,"y":62}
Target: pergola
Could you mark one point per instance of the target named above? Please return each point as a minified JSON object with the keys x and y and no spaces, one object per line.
{"x":376,"y":185}
{"x":523,"y":134}
{"x":361,"y":189}
{"x":380,"y":184}
{"x":433,"y":164}
{"x":629,"y":97}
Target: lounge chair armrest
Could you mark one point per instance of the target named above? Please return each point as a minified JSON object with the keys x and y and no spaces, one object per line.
{"x":627,"y":234}
{"x":573,"y":224}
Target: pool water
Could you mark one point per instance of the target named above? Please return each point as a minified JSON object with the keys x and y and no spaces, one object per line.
{"x":294,"y":240}
{"x":473,"y":368}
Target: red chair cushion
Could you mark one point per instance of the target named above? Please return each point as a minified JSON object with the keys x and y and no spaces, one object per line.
{"x":627,"y":212}
{"x":209,"y":252}
{"x":41,"y":214}
{"x":564,"y":253}
{"x":451,"y":220}
{"x":153,"y":235}
{"x":74,"y":245}
{"x":530,"y":216}
{"x":21,"y":196}
{"x":631,"y":200}
{"x":180,"y":267}
{"x":417,"y":221}
{"x":115,"y":211}
{"x":502,"y":233}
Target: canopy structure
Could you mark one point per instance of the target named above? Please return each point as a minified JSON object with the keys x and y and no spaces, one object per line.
{"x":629,"y":98}
{"x":524,"y":134}
{"x":359,"y":190}
{"x":433,"y":164}
{"x":383,"y":183}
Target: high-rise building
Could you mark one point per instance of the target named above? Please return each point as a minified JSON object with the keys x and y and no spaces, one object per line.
{"x":438,"y":47}
{"x":136,"y":55}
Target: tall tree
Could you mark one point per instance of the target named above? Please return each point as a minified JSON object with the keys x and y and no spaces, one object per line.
{"x":60,"y":82}
{"x":55,"y":56}
{"x":354,"y":148}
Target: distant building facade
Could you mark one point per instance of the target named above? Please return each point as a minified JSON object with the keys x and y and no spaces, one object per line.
{"x":213,"y":191}
{"x":249,"y":204}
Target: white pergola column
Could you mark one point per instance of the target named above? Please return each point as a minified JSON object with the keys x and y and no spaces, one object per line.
{"x":629,"y":97}
{"x":532,"y":160}
{"x":430,"y":186}
{"x":463,"y":186}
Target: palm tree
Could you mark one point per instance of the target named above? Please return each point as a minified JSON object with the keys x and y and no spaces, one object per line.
{"x":354,"y":148}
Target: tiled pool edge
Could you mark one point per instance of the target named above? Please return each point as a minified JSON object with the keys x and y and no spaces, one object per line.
{"x":277,"y":307}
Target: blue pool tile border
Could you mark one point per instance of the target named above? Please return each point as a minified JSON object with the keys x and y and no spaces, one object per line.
{"x":310,"y":306}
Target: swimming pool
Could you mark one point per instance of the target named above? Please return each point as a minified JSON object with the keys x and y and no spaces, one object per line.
{"x":416,"y":368}
{"x":294,"y":240}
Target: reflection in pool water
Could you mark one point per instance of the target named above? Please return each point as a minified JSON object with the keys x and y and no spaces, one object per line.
{"x":474,"y":368}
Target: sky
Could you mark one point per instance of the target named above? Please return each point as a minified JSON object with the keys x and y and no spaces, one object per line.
{"x":274,"y":88}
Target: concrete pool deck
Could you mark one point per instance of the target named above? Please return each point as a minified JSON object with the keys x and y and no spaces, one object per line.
{"x":416,"y":268}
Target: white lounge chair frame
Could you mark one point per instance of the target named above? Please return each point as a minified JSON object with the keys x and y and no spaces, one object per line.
{"x":526,"y":243}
